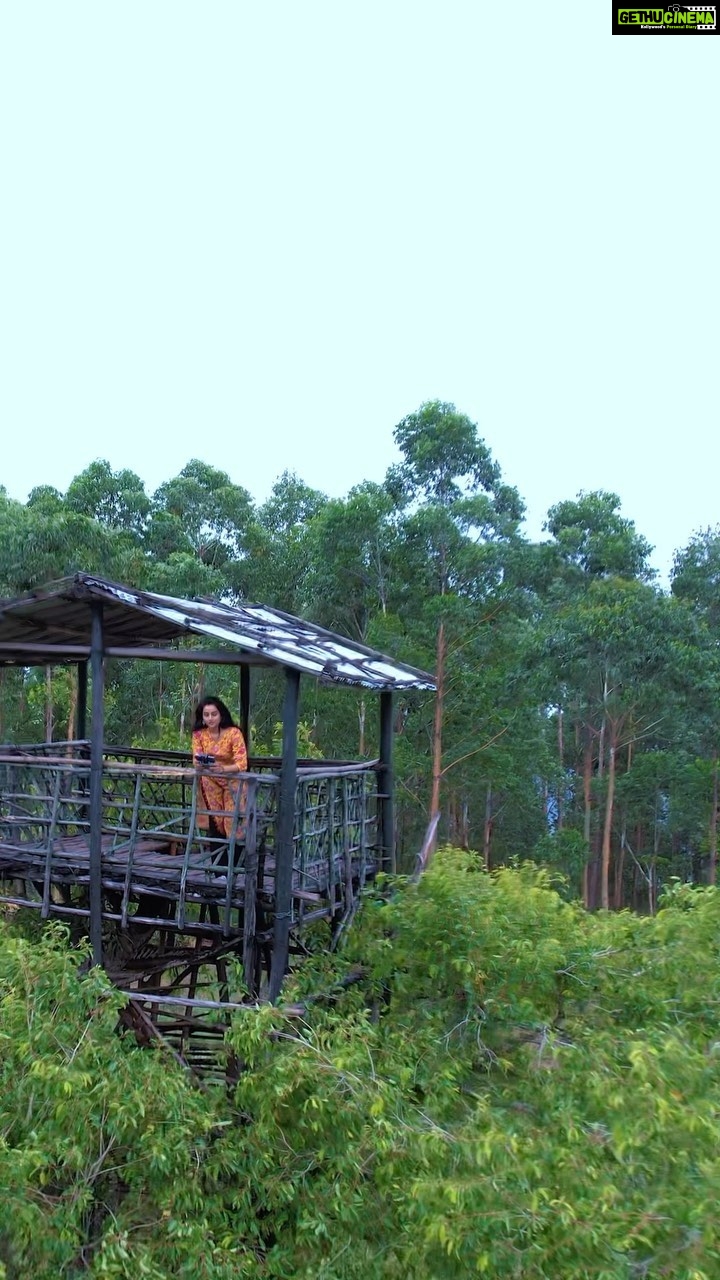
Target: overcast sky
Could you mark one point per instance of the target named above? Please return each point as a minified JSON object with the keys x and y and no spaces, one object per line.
{"x":261,"y":233}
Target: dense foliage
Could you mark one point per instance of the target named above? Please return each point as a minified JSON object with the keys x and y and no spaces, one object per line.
{"x":576,"y":717}
{"x":515,"y":1088}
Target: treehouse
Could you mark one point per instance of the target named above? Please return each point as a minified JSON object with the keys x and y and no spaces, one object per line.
{"x":120,"y":841}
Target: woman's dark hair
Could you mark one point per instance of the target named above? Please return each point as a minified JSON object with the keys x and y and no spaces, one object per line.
{"x":226,"y":720}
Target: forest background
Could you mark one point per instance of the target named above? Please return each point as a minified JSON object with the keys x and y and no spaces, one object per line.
{"x":576,"y":720}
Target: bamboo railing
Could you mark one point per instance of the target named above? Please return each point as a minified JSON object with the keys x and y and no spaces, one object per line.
{"x":163,"y":858}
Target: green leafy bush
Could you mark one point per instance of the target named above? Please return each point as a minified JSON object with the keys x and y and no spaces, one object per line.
{"x":515,"y":1088}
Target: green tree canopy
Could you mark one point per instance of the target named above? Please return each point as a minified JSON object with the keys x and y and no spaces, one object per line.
{"x":594,"y":539}
{"x":116,"y":499}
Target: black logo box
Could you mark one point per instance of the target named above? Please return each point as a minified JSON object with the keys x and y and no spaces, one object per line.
{"x":676,"y":26}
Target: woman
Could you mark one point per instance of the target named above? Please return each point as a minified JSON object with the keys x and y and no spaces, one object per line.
{"x":215,"y":735}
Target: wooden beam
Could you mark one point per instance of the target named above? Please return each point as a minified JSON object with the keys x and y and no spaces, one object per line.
{"x":82,"y":701}
{"x":284,"y":834}
{"x":217,"y":656}
{"x":97,"y":736}
{"x":62,"y":652}
{"x":34,"y":653}
{"x":385,"y":785}
{"x":245,"y":703}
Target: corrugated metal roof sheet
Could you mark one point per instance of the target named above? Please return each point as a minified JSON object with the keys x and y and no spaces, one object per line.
{"x":58,"y":615}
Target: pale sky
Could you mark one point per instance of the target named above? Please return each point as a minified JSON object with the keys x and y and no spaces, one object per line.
{"x":261,"y":233}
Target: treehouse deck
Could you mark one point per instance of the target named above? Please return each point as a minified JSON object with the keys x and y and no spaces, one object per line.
{"x":177,"y":895}
{"x":119,"y":843}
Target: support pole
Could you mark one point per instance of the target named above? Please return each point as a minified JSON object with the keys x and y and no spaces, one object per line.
{"x":82,"y":700}
{"x":245,"y":703}
{"x":284,"y":834}
{"x":97,"y":737}
{"x":386,"y":807}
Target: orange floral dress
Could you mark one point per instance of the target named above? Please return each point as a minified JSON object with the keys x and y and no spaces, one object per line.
{"x":219,"y":793}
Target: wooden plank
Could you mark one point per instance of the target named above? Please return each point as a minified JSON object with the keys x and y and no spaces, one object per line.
{"x":211,"y":656}
{"x":61,"y":652}
{"x":250,"y":947}
{"x":284,"y":835}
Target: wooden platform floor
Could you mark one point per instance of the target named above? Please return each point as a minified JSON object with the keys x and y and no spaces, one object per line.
{"x":158,"y":865}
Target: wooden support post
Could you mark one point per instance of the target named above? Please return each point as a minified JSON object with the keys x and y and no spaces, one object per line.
{"x":251,"y":955}
{"x":331,"y":836}
{"x":347,"y":849}
{"x":245,"y":703}
{"x":97,"y":737}
{"x":284,"y":834}
{"x":82,"y":700}
{"x":386,"y":808}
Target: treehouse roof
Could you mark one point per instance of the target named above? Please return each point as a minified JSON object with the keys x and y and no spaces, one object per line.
{"x":53,"y":624}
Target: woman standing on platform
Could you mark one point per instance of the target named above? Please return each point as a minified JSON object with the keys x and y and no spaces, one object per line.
{"x":219,"y":747}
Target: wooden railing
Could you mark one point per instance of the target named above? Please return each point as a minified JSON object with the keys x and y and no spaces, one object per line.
{"x":160,"y":863}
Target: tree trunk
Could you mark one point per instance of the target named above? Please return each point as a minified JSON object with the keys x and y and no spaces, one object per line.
{"x":49,"y":710}
{"x":561,"y":783}
{"x":652,"y":875}
{"x":620,"y":864}
{"x":601,"y":748}
{"x":438,"y":721}
{"x":596,"y":835}
{"x":72,"y":709}
{"x":712,"y":835}
{"x":200,"y":684}
{"x":588,"y":894}
{"x":619,"y":871}
{"x":465,"y":828}
{"x":607,"y":830}
{"x":487,"y":827}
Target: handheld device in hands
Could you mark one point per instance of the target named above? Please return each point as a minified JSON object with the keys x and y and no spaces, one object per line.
{"x":204,"y":759}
